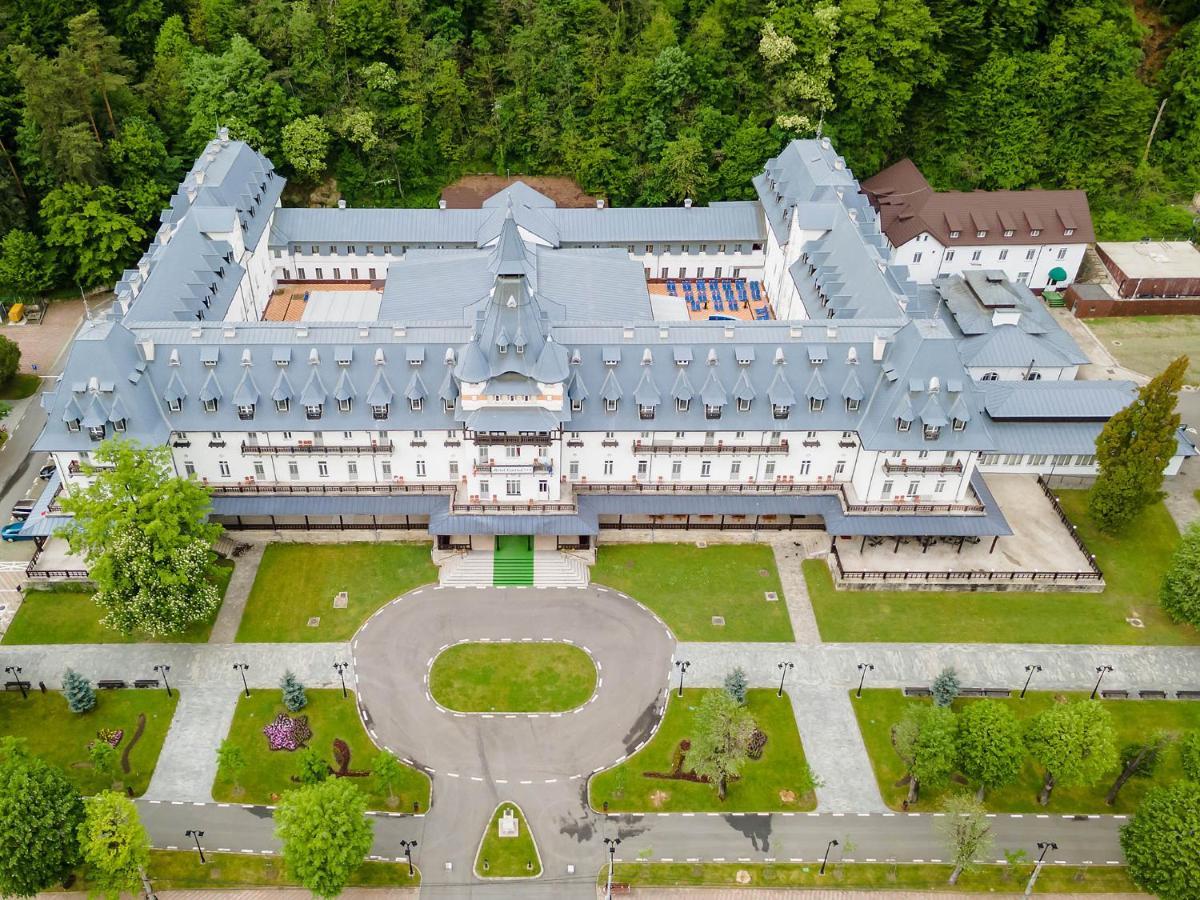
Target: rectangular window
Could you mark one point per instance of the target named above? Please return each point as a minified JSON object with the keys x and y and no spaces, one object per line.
{"x":259,"y":470}
{"x":512,"y":452}
{"x":976,"y":255}
{"x":300,"y":274}
{"x":573,"y":469}
{"x":454,"y":468}
{"x":337,"y":273}
{"x":949,"y":255}
{"x":981,"y":234}
{"x":352,"y":470}
{"x":189,"y":469}
{"x":735,"y":469}
{"x":1008,"y":232}
{"x":1035,"y":232}
{"x":887,"y":488}
{"x":769,"y":469}
{"x":1085,"y":460}
{"x":293,"y":470}
{"x":917,"y":257}
{"x":1062,"y":254}
{"x":485,"y":487}
{"x":643,"y":468}
{"x":1038,"y":459}
{"x":1067,"y":232}
{"x":354,"y":274}
{"x":174,"y":405}
{"x":840,"y":468}
{"x":1030,"y":254}
{"x":939,"y":486}
{"x":913,"y":487}
{"x":320,"y":274}
{"x":1062,"y":459}
{"x":805,"y":466}
{"x":210,"y":405}
{"x":676,"y":469}
{"x":705,"y":469}
{"x":1022,"y":278}
{"x":385,"y":468}
{"x":420,"y":468}
{"x":1003,"y":255}
{"x":323,"y":468}
{"x":608,"y":467}
{"x":512,"y":487}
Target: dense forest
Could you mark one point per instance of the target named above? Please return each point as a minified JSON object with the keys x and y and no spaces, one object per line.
{"x":103,"y":105}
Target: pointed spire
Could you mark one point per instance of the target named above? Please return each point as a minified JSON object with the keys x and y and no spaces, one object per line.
{"x":314,"y":391}
{"x":211,"y":389}
{"x":509,"y":257}
{"x":780,"y":393}
{"x":743,"y":390}
{"x":380,"y":393}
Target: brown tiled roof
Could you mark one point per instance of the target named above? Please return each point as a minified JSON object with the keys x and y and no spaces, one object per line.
{"x":908,"y":206}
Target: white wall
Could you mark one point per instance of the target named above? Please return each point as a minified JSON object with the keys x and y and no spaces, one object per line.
{"x":927,"y":258}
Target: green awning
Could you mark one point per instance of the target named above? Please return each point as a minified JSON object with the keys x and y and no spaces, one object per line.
{"x":1058,"y":273}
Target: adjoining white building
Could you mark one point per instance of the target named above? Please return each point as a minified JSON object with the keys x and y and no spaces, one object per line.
{"x":1036,"y":238}
{"x":503,"y":372}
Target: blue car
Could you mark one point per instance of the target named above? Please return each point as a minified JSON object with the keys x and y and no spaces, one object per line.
{"x":12,"y":532}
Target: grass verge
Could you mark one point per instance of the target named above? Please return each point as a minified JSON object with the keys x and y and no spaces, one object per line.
{"x":297,"y":582}
{"x":268,"y":773}
{"x":878,"y":710}
{"x":61,"y":737}
{"x":1147,"y":343}
{"x":1133,"y":565}
{"x":687,"y":586}
{"x":70,"y":617}
{"x":487,"y":677}
{"x":883,"y":877}
{"x":776,"y":782}
{"x":508,"y":857}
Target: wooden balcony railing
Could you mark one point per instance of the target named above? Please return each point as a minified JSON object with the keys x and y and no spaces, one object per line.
{"x":714,"y":448}
{"x":322,"y":449}
{"x":904,"y":467}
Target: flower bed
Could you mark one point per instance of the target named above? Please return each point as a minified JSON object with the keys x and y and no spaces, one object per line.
{"x":287,"y":733}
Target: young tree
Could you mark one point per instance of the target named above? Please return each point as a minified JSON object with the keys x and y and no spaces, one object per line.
{"x":103,"y":757}
{"x":735,"y":685}
{"x":146,"y":538}
{"x":924,"y":740}
{"x":1138,"y":760}
{"x":1189,"y":755}
{"x":1134,"y":448}
{"x":313,"y":767}
{"x":1180,"y":591}
{"x":293,"y":692}
{"x":990,"y":748}
{"x":1074,"y":743}
{"x":325,"y":834}
{"x":10,"y":359}
{"x":945,"y":687}
{"x":1162,"y":842}
{"x":26,"y":268}
{"x":40,"y":812}
{"x":114,"y":844}
{"x":387,"y":771}
{"x":721,"y":742}
{"x":78,"y":691}
{"x":966,"y":829}
{"x":231,"y":759}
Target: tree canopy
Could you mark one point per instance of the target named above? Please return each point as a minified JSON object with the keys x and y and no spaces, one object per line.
{"x":1180,"y":591}
{"x":114,"y":844}
{"x":925,"y":740}
{"x":325,"y":833}
{"x":990,"y":746}
{"x":1074,"y":742}
{"x":1162,"y":842}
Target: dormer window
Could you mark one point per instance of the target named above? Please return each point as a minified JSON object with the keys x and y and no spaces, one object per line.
{"x":610,"y":405}
{"x":815,"y":405}
{"x":779,"y":411}
{"x":344,"y":404}
{"x":313,"y":411}
{"x":954,"y":234}
{"x":981,"y":234}
{"x":1067,"y":232}
{"x":1034,"y":232}
{"x":210,"y":405}
{"x":96,"y":432}
{"x":576,"y":406}
{"x":414,"y":404}
{"x":282,"y":405}
{"x":959,"y":425}
{"x":72,"y":425}
{"x":119,"y":425}
{"x":379,"y":411}
{"x":646,"y":412}
{"x":174,"y":405}
{"x":1008,"y":232}
{"x":246,"y":411}
{"x":743,"y":406}
{"x":903,"y":424}
{"x":449,"y":405}
{"x":712,"y":412}
{"x":682,"y":405}
{"x":851,"y":404}
{"x":932,"y":432}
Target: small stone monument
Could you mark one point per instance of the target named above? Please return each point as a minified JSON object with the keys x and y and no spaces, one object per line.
{"x":314,"y":621}
{"x":718,"y":621}
{"x":508,"y":824}
{"x":341,"y":601}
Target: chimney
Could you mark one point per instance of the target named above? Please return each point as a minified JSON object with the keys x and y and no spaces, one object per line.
{"x":441,"y":204}
{"x":341,"y":204}
{"x":878,"y":346}
{"x":687,"y":202}
{"x":825,"y":143}
{"x":600,"y":203}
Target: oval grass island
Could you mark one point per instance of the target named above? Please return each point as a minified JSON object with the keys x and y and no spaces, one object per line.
{"x":512,"y":677}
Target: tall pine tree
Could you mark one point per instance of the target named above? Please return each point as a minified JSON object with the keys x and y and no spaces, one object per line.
{"x":1134,"y":448}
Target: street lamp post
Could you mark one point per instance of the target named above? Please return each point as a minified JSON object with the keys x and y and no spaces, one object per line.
{"x":163,"y":670}
{"x":864,"y":668}
{"x":784,"y":668}
{"x":341,"y":670}
{"x":409,"y":847}
{"x":196,"y":835}
{"x":1041,"y":860}
{"x":611,"y":843}
{"x":15,"y":672}
{"x":682,"y":665}
{"x":1029,"y":677}
{"x":825,"y":858}
{"x":241,"y":668}
{"x":1101,"y":671}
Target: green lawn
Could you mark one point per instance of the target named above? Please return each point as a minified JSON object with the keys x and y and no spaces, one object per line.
{"x":182,"y":870}
{"x":879,"y":709}
{"x":1133,"y":565}
{"x":70,"y":617}
{"x":488,"y":677}
{"x":20,"y":386}
{"x":910,"y":876}
{"x":297,"y":582}
{"x":508,"y":857}
{"x":1147,"y":343}
{"x":268,"y":773}
{"x":687,"y":586}
{"x":775,"y":782}
{"x":61,"y":737}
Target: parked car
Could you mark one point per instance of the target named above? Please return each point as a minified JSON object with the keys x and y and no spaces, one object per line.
{"x":12,"y":532}
{"x":22,"y":508}
{"x":47,"y":471}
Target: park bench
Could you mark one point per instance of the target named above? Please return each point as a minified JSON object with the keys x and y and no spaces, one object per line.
{"x":17,"y":685}
{"x":1187,"y":695}
{"x":146,"y":683}
{"x":917,"y":692}
{"x":1152,"y":695}
{"x":972,"y":692}
{"x":1115,"y":695}
{"x":110,"y":684}
{"x":997,"y":693}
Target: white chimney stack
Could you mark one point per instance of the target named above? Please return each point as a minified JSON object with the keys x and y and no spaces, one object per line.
{"x":441,"y":204}
{"x":687,"y":202}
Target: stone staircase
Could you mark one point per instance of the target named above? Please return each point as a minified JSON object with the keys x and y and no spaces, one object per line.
{"x":477,"y":569}
{"x":554,"y":569}
{"x":471,"y":569}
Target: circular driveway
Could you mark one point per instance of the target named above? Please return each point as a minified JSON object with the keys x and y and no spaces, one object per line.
{"x":631,"y":647}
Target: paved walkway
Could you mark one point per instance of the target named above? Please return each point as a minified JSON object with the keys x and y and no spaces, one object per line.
{"x":835,"y":751}
{"x":187,"y":764}
{"x":791,"y":549}
{"x":245,"y":568}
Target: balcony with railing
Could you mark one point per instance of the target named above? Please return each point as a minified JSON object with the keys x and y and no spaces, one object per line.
{"x":482,"y":439}
{"x":319,"y":488}
{"x":308,"y":447}
{"x":513,"y":467}
{"x":716,"y":447}
{"x":497,"y":504}
{"x":890,"y":467}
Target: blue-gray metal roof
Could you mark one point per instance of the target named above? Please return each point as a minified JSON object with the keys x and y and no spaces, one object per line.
{"x":1093,"y":401}
{"x":330,"y":505}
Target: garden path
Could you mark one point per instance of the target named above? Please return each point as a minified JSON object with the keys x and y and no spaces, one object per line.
{"x":245,"y":568}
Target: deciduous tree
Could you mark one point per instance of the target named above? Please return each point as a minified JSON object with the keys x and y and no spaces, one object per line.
{"x":967,"y":832}
{"x":325,"y":833}
{"x":26,"y":268}
{"x":114,"y":845}
{"x":1074,"y":742}
{"x":10,"y":359}
{"x":93,"y":228}
{"x":1138,"y":760}
{"x":387,"y":771}
{"x":924,"y":740}
{"x":990,"y":748}
{"x":721,"y":740}
{"x":1180,"y":591}
{"x":232,"y":760}
{"x":305,"y":144}
{"x":1162,"y":842}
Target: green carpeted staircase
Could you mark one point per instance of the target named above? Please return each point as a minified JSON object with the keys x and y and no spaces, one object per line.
{"x":513,"y":561}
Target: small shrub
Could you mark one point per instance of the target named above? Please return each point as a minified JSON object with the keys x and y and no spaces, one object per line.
{"x":293,"y":693}
{"x":313,"y":768}
{"x":945,"y":687}
{"x":78,"y":691}
{"x":1189,"y":754}
{"x":758,"y":742}
{"x":735,"y":685}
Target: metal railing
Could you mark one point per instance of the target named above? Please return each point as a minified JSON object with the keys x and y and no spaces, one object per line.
{"x":965,"y":577}
{"x":255,"y":449}
{"x":1071,"y":529}
{"x":903,"y":467}
{"x":716,"y":447}
{"x":483,"y":440}
{"x":319,"y":488}
{"x":504,"y":467}
{"x":514,"y":508}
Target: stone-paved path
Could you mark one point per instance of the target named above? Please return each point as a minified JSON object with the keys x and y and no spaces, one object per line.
{"x":791,"y":549}
{"x":245,"y":568}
